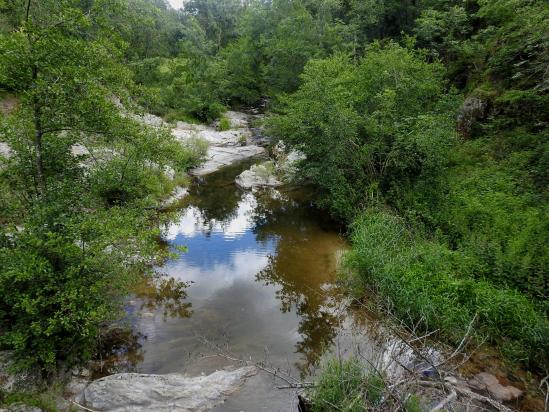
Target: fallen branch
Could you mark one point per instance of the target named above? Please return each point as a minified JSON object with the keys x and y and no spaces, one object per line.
{"x":292,"y":383}
{"x":466,"y":392}
{"x":442,"y":403}
{"x":462,"y":343}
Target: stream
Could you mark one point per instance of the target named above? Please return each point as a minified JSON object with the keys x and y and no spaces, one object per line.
{"x":259,"y":281}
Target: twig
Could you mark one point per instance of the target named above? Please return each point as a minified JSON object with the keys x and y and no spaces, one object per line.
{"x":462,"y":343}
{"x":290,"y":380}
{"x":442,"y":403}
{"x":83,"y":407}
{"x":546,"y":382}
{"x":424,"y":336}
{"x":470,"y":394}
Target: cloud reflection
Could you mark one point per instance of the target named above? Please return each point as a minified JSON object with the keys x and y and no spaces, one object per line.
{"x":193,"y":222}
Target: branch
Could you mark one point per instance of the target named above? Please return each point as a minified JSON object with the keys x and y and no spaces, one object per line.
{"x":462,"y":343}
{"x":291,"y":381}
{"x":470,"y":394}
{"x":83,"y":407}
{"x":28,"y":11}
{"x":443,"y":402}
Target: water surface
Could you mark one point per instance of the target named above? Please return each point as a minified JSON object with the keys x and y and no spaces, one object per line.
{"x":260,"y":269}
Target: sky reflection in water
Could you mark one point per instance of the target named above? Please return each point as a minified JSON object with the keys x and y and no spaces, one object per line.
{"x":260,"y":266}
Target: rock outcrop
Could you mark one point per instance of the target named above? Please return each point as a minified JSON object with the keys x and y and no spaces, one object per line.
{"x":19,"y":381}
{"x":473,"y":109}
{"x":487,"y":382}
{"x":173,"y":392}
{"x":177,"y":194}
{"x":5,"y":150}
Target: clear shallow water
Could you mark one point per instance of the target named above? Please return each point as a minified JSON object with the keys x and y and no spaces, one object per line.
{"x":260,"y":270}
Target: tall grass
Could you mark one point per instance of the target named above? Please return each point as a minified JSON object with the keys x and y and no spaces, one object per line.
{"x":224,"y":124}
{"x":423,"y":279}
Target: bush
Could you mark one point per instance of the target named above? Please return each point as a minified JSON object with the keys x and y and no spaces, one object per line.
{"x":61,"y":281}
{"x":368,"y":126}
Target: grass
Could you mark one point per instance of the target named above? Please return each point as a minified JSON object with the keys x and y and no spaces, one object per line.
{"x":339,"y":386}
{"x":349,"y":385}
{"x":45,"y":400}
{"x":173,"y":116}
{"x":422,"y":279}
{"x":224,"y":124}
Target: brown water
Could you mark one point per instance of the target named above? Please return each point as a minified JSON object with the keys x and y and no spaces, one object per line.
{"x":260,"y":270}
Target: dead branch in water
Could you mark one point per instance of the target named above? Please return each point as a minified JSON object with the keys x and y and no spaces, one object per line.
{"x":292,"y":383}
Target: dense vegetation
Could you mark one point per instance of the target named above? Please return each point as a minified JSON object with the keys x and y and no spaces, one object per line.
{"x":79,"y":182}
{"x":448,"y":218}
{"x":424,"y":125}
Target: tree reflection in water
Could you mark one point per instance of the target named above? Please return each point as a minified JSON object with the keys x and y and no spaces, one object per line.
{"x":166,"y":293}
{"x":119,"y":350}
{"x":318,"y":321}
{"x":303,"y":264}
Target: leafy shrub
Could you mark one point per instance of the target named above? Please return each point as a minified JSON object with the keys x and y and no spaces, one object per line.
{"x":61,"y":280}
{"x":368,"y":126}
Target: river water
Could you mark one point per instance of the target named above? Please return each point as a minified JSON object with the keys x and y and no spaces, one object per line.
{"x":259,"y":283}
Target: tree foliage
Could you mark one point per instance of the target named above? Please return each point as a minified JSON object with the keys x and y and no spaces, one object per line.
{"x":77,"y":186}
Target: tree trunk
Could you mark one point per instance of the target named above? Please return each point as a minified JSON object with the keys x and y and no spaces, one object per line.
{"x":38,"y":134}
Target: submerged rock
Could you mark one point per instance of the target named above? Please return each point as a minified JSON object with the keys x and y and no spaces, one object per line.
{"x":173,"y":392}
{"x":262,"y":175}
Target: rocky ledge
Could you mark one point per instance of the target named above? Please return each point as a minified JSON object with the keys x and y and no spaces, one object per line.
{"x":261,"y":175}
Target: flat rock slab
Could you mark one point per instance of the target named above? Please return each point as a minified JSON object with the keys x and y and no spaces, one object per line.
{"x":5,"y":150}
{"x":125,"y":392}
{"x":213,"y":136}
{"x":219,"y":157}
{"x":487,"y":382}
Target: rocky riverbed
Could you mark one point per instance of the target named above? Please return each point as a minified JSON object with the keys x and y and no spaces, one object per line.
{"x":225,"y":147}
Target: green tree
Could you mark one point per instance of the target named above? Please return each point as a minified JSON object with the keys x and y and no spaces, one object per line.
{"x":80,"y":181}
{"x":369,"y":126}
